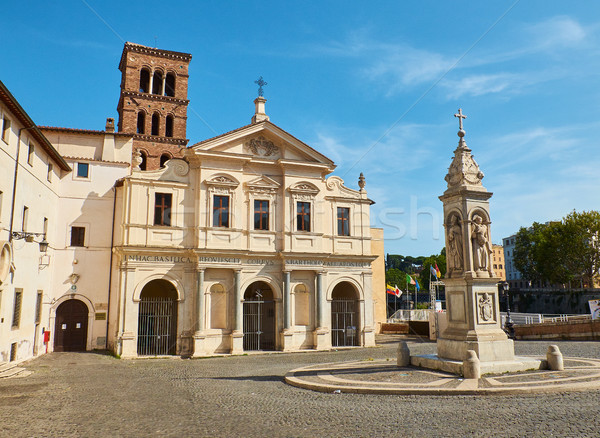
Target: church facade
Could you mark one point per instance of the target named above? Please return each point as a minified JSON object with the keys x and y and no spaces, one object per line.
{"x":244,"y":244}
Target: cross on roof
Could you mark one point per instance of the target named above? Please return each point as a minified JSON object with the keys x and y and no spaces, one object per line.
{"x":460,"y":116}
{"x":261,"y":83}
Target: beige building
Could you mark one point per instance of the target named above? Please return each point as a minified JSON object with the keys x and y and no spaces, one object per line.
{"x":498,"y":261}
{"x":30,"y":177}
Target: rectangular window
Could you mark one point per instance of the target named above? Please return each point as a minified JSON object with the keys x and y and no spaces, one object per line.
{"x":303,"y":216}
{"x":49,"y":175}
{"x":38,"y":307}
{"x":343,"y":221}
{"x":83,"y":170}
{"x":30,"y":153}
{"x":5,"y":129}
{"x":25,"y":218}
{"x":16,"y":321}
{"x":77,"y":236}
{"x":261,"y":215}
{"x":162,"y":209}
{"x":221,"y":211}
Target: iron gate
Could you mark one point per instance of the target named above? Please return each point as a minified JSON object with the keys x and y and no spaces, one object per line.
{"x":157,"y":324}
{"x":344,"y":323}
{"x":259,"y":329}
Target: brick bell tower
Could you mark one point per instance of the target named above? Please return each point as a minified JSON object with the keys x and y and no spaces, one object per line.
{"x":153,"y":102}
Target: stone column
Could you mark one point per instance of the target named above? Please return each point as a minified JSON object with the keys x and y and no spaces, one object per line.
{"x":287,"y":334}
{"x":319,"y":300}
{"x":127,"y":314}
{"x":322,"y":340}
{"x":237,"y":334}
{"x":287,"y":317}
{"x":199,"y":335}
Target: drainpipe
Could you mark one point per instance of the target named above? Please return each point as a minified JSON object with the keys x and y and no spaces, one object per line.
{"x":112,"y":241}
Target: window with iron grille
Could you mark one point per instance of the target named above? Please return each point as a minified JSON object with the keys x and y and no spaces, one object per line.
{"x":221,"y":211}
{"x":38,"y":307}
{"x":343,"y":221}
{"x":162,"y":208}
{"x":77,"y":236}
{"x":17,"y":308}
{"x":303,"y":216}
{"x":261,"y":215}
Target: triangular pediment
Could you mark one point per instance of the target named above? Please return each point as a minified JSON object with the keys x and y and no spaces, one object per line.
{"x":263,"y":181}
{"x":261,"y":141}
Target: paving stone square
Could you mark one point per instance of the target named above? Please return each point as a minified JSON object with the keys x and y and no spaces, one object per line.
{"x":93,"y":395}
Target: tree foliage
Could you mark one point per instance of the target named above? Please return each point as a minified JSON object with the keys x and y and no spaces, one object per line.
{"x":560,"y":252}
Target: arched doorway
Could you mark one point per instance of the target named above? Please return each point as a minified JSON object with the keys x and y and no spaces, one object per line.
{"x":157,"y":320}
{"x":259,"y":317}
{"x":345,"y":325}
{"x":70,"y":329}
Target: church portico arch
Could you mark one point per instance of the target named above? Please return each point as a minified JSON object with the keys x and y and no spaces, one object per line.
{"x":259,"y":317}
{"x":345,"y":315}
{"x":157,"y":319}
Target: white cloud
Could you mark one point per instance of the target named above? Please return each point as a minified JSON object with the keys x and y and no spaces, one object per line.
{"x":557,"y":32}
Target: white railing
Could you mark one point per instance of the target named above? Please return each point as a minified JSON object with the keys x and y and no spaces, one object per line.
{"x":538,"y":318}
{"x":409,"y":315}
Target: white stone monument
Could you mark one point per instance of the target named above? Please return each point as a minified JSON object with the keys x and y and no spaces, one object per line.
{"x":473,"y":311}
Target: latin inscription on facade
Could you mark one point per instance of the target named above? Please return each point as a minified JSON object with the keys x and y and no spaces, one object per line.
{"x":168,"y":259}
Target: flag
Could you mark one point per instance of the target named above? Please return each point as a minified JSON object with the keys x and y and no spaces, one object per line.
{"x":391,"y":290}
{"x":439,"y":274}
{"x":398,"y":292}
{"x":433,"y":272}
{"x":409,"y":279}
{"x":417,"y":285}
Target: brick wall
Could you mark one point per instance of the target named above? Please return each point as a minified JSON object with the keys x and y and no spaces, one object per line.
{"x":575,"y":330}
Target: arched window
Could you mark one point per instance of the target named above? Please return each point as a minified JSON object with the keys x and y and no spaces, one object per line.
{"x":170,"y":85}
{"x":144,"y":160}
{"x":155,"y":123}
{"x":144,"y":80}
{"x":157,"y":83}
{"x":141,"y":122}
{"x":169,"y":126}
{"x":163,"y":159}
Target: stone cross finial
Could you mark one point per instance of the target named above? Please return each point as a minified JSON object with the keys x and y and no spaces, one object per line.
{"x":261,"y":83}
{"x":460,"y":116}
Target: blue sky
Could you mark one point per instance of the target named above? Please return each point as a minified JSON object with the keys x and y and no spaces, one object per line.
{"x":373,"y":85}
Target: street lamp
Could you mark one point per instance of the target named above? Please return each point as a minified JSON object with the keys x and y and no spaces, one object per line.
{"x":509,"y":328}
{"x":29,"y":237}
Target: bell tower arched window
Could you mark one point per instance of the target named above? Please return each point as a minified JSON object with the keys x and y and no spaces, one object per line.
{"x":144,"y":80}
{"x":169,"y":126}
{"x":155,"y":123}
{"x":163,"y":159}
{"x":157,"y":83}
{"x":170,"y":85}
{"x":141,"y":122}
{"x":144,"y":160}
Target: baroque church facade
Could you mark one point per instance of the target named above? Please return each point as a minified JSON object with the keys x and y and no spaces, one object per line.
{"x":241,"y":242}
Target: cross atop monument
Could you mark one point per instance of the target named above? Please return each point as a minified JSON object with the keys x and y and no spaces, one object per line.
{"x":460,"y":116}
{"x":261,"y":83}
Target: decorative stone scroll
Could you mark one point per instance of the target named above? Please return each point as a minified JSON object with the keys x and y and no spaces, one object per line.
{"x":262,"y":147}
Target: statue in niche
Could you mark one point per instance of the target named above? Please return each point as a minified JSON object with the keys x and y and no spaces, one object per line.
{"x":485,"y":307}
{"x":455,"y":245}
{"x":481,"y":244}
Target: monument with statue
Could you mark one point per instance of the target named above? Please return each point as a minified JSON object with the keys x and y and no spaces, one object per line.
{"x":473,"y":313}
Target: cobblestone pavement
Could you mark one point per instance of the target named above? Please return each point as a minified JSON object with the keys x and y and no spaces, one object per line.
{"x":86,"y":394}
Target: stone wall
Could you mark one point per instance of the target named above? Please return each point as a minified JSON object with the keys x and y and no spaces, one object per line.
{"x":574,"y":330}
